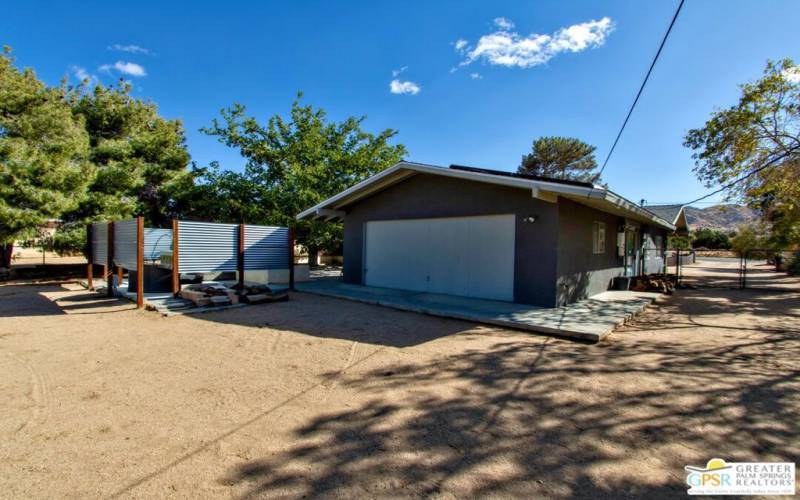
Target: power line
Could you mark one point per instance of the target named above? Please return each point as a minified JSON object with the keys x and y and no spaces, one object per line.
{"x":644,"y":82}
{"x":746,"y":176}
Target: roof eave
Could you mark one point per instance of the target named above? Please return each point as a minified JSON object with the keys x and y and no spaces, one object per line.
{"x":361,"y":189}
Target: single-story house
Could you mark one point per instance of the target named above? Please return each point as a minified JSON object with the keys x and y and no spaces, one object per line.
{"x":490,"y":234}
{"x":674,"y":214}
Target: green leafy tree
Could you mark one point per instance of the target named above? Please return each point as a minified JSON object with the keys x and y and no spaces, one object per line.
{"x":214,"y":194}
{"x":753,"y":148}
{"x":676,"y":242}
{"x":711,"y":239}
{"x":295,"y":163}
{"x":140,"y":158}
{"x":560,"y":158}
{"x":747,"y":239}
{"x":43,"y":155}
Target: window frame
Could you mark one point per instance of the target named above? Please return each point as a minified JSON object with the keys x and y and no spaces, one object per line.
{"x":598,"y":241}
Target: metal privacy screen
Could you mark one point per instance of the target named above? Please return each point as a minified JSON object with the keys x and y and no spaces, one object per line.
{"x":100,"y":243}
{"x":266,"y":247}
{"x":207,"y":247}
{"x":125,"y":243}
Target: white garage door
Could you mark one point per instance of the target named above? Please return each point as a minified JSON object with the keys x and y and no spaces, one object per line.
{"x":468,"y":256}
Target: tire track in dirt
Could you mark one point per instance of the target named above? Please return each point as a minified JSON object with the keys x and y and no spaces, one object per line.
{"x":38,"y":395}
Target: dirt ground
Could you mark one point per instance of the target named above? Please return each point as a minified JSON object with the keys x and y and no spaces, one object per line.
{"x":725,"y":273}
{"x":326,"y":398}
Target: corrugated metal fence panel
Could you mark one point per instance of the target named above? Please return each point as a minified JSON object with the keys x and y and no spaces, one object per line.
{"x":100,"y":243}
{"x":207,"y":247}
{"x":125,"y":243}
{"x":266,"y":247}
{"x":156,"y":241}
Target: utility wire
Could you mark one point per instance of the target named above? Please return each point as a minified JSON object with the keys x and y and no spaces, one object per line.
{"x":638,"y":94}
{"x":770,"y":163}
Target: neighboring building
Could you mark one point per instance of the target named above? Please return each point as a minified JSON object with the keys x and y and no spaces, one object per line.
{"x":674,"y":214}
{"x":490,"y":234}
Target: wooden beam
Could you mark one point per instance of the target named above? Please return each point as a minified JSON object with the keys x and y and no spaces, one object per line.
{"x":240,"y":259}
{"x":90,"y":258}
{"x":110,"y":261}
{"x":139,"y":262}
{"x":329,"y":214}
{"x":544,"y":195}
{"x":291,"y":258}
{"x":176,"y":275}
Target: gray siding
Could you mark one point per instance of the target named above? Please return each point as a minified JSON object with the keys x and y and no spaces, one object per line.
{"x":581,"y":272}
{"x":426,"y":196}
{"x":554,"y":263}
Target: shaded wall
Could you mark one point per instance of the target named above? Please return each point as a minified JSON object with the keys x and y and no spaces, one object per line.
{"x":654,"y":240}
{"x":582,"y":273}
{"x":429,"y":196}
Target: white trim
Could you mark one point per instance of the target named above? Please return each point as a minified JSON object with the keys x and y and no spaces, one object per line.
{"x":536,"y":187}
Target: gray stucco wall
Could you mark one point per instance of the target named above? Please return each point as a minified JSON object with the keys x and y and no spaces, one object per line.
{"x":427,"y":196}
{"x":581,"y":272}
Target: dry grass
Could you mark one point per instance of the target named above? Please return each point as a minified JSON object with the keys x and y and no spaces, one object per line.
{"x":322,"y":397}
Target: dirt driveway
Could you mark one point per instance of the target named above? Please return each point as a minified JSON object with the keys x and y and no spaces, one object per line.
{"x":323,"y":397}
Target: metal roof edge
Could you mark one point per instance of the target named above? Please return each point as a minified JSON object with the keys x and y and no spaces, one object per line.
{"x":596,"y":192}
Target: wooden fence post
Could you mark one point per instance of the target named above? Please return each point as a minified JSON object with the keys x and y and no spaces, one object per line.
{"x":90,"y":258}
{"x":176,"y":276}
{"x":110,"y":261}
{"x":240,"y":259}
{"x":291,"y":258}
{"x":139,"y":262}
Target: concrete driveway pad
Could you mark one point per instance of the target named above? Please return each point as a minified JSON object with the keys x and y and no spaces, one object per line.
{"x":591,"y":319}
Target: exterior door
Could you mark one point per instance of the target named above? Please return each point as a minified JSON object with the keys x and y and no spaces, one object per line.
{"x":631,"y":252}
{"x":467,"y":256}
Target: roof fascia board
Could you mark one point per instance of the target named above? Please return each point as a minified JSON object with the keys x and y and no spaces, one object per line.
{"x":371,"y":184}
{"x":366,"y":182}
{"x":626,"y":204}
{"x":503,"y":181}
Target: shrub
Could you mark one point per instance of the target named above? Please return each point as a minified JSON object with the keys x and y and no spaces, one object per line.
{"x":793,"y":266}
{"x":711,"y":239}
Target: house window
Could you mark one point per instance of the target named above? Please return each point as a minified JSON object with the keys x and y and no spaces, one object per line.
{"x":659,"y":241}
{"x":599,"y":237}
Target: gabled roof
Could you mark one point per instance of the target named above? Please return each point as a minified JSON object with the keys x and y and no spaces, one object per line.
{"x":669,"y":213}
{"x":543,"y":188}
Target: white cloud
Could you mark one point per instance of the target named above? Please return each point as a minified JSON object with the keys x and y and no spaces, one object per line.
{"x":475,"y":76}
{"x":81,"y":74}
{"x":460,"y":44}
{"x":126,"y":68}
{"x":506,"y":48}
{"x":792,"y":74}
{"x":398,"y":87}
{"x":503,"y":23}
{"x":397,"y":72}
{"x":132,"y":49}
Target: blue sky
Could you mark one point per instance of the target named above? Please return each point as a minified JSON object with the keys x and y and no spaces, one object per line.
{"x":479,"y":102}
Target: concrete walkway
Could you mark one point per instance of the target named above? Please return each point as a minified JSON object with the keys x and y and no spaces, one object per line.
{"x":591,"y":319}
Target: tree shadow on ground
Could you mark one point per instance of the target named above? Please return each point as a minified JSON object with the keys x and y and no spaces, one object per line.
{"x":44,"y":300}
{"x":341,"y":319}
{"x":551,"y":418}
{"x":26,"y":300}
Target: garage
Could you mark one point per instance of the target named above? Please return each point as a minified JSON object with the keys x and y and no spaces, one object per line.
{"x":466,"y":256}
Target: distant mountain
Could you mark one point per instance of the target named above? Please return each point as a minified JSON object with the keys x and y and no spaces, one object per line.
{"x":721,"y":217}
